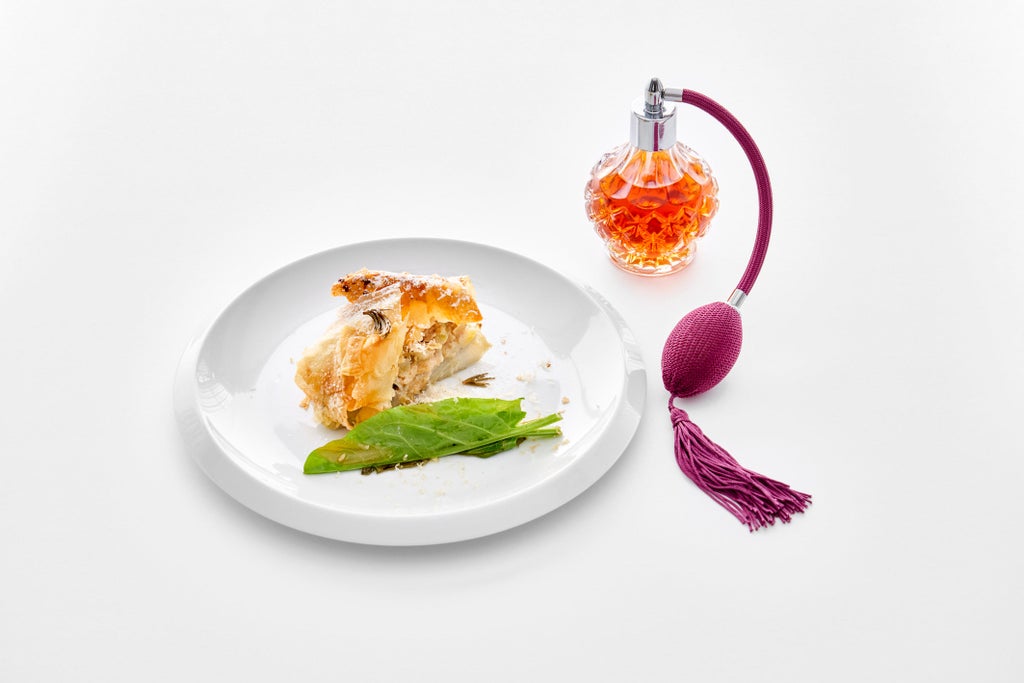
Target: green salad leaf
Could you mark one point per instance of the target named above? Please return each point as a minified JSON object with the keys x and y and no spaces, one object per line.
{"x":466,"y":426}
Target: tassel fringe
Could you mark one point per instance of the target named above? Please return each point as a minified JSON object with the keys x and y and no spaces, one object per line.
{"x":752,"y":498}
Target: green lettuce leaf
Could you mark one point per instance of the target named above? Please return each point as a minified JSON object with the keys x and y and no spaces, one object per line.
{"x":471,"y":426}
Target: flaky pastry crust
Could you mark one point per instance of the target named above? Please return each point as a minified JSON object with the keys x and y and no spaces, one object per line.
{"x":398,"y":333}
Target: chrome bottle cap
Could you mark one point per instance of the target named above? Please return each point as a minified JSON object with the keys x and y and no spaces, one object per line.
{"x":653,"y":124}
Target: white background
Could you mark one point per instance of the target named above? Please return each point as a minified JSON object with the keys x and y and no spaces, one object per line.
{"x":156,"y":158}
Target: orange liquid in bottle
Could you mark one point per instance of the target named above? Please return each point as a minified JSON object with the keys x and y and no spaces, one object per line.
{"x":651,"y":207}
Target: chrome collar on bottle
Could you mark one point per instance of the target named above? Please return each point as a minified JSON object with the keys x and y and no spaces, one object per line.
{"x":653,"y":124}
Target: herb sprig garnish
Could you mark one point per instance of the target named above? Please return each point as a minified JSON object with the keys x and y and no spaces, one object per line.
{"x":381,"y":323}
{"x":481,"y":380}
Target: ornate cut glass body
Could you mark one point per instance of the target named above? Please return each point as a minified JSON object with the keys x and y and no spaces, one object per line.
{"x":651,"y":207}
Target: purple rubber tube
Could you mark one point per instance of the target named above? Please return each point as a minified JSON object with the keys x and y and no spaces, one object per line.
{"x":764,"y":186}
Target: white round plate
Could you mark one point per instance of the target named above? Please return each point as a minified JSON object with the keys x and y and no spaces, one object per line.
{"x":557,"y":345}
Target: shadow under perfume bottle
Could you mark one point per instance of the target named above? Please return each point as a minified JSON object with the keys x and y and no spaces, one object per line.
{"x":652,"y":198}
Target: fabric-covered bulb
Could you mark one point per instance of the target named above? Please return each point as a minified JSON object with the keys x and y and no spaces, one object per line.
{"x":702,"y":349}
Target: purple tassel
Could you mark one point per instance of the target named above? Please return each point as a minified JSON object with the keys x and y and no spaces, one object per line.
{"x":752,"y":498}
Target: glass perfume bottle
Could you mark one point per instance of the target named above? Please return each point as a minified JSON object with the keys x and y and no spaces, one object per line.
{"x":651,"y":199}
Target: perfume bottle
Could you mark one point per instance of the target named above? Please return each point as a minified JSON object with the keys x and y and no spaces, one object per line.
{"x":651,"y":199}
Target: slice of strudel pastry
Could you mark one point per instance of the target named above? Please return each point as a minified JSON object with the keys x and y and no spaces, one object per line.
{"x":398,"y":333}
